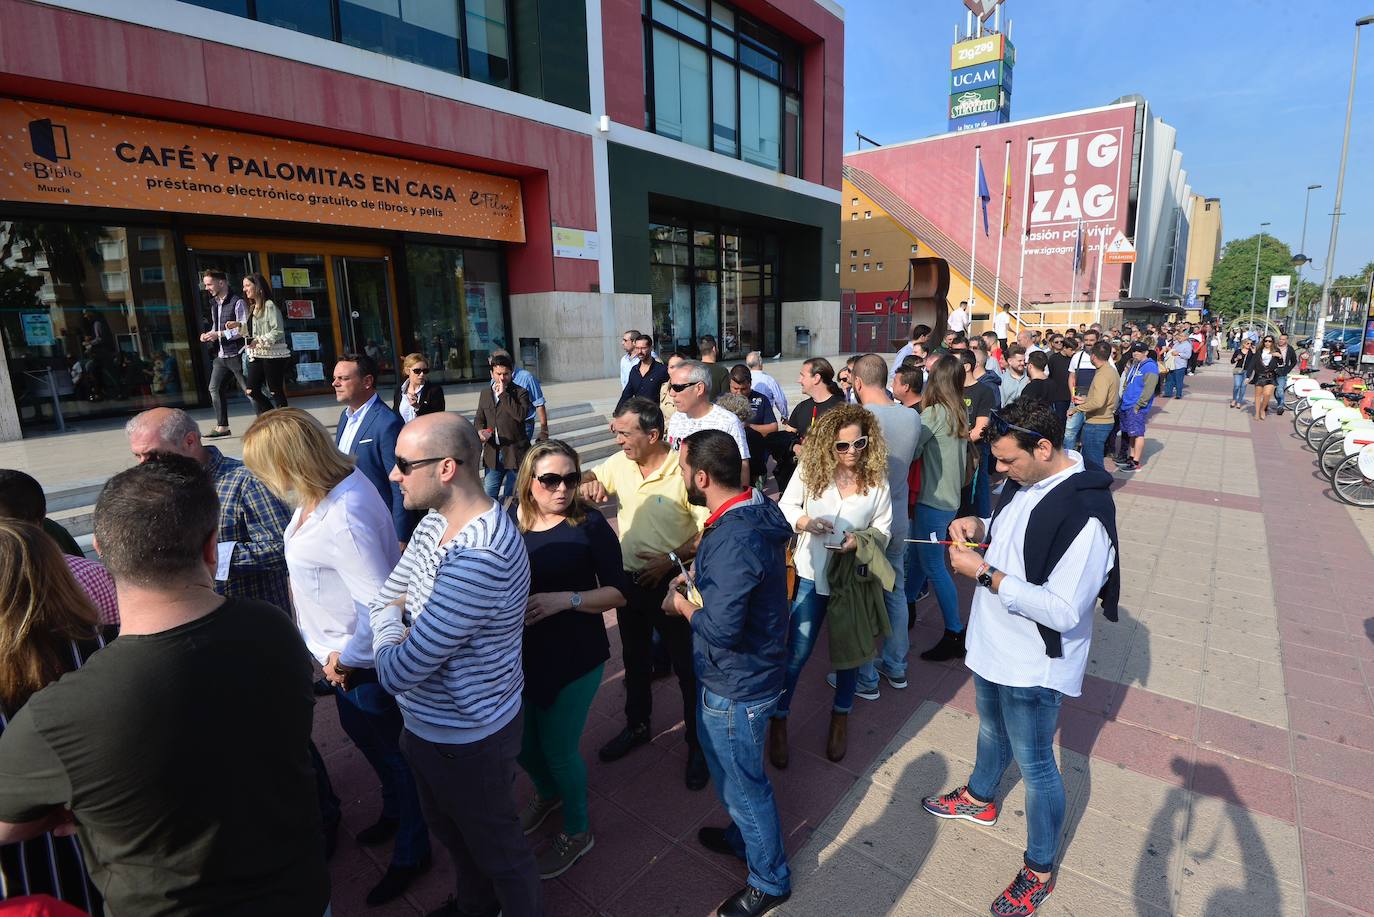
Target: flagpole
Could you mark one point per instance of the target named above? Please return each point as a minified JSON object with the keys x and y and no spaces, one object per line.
{"x":1002,"y":228}
{"x":1097,"y":298}
{"x":1025,"y":232}
{"x":1073,"y":283}
{"x":973,"y":246}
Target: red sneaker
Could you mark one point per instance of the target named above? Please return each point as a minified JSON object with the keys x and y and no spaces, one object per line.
{"x":1022,"y":896}
{"x":958,"y":804}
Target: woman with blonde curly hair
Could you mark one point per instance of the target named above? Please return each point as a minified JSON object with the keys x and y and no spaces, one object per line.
{"x":839,"y":488}
{"x":48,"y":627}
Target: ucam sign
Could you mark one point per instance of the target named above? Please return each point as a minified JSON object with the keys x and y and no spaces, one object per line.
{"x":1076,"y":177}
{"x":997,"y":73}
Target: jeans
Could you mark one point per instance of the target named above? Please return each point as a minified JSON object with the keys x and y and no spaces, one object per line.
{"x":224,"y":367}
{"x":370,"y":717}
{"x":497,"y":479}
{"x":982,"y":489}
{"x":895,"y":647}
{"x":1238,"y":387}
{"x":808,"y":614}
{"x":468,"y":799}
{"x":1072,"y":425}
{"x":1173,"y":382}
{"x":640,"y":617}
{"x":1279,"y":392}
{"x":927,"y":562}
{"x":549,"y":750}
{"x":273,"y":373}
{"x":1095,"y":444}
{"x":732,"y":737}
{"x":1018,"y":724}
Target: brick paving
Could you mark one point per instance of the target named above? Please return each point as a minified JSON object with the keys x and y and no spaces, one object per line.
{"x":1218,"y":761}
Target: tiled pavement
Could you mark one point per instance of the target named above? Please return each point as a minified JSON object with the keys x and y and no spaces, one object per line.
{"x":1219,"y":761}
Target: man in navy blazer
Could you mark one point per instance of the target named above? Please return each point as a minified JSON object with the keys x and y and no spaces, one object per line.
{"x":367,"y":431}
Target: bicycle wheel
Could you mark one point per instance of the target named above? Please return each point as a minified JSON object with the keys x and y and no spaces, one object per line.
{"x":1314,"y":434}
{"x":1350,"y":484}
{"x":1331,"y":452}
{"x":1302,"y":419}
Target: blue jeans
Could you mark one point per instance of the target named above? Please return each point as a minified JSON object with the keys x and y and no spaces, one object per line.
{"x":1279,"y":389}
{"x":1072,"y":425}
{"x":982,"y":493}
{"x":372,"y":720}
{"x":1095,"y":444}
{"x":808,"y":614}
{"x":927,"y":562}
{"x":1238,"y":387}
{"x":732,"y":737}
{"x":494,"y":480}
{"x":1173,"y":383}
{"x":896,"y":646}
{"x":1018,"y":724}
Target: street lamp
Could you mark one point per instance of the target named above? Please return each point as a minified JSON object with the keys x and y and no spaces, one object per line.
{"x":1255,"y":286}
{"x":1320,"y":333}
{"x":1301,"y":258}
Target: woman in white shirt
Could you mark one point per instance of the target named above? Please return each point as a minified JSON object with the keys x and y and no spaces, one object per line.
{"x":839,"y":488}
{"x":340,"y":548}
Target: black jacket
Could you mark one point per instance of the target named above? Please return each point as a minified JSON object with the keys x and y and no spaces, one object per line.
{"x":640,"y":385}
{"x":431,"y":398}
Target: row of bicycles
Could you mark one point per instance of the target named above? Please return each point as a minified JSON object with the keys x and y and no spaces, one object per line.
{"x":1336,"y":420}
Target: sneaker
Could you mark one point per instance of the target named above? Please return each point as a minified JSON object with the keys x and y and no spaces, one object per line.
{"x":1022,"y":896}
{"x":566,"y":850}
{"x":951,"y":646}
{"x":867,"y":692}
{"x":538,"y":810}
{"x":1127,"y":467}
{"x":216,"y":434}
{"x":925,"y":591}
{"x":959,"y":805}
{"x":896,"y":681}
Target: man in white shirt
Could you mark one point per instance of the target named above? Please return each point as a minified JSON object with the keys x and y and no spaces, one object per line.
{"x":689,"y":384}
{"x":765,"y":384}
{"x":959,"y":318}
{"x":628,"y":360}
{"x":1051,"y":556}
{"x":1001,"y":324}
{"x":1014,"y":380}
{"x":920,"y":340}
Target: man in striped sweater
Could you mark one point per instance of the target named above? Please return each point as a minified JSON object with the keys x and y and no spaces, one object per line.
{"x":461,"y":587}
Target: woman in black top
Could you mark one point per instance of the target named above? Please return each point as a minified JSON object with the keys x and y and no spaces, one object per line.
{"x":576,"y":574}
{"x":1242,"y":365}
{"x":48,"y":627}
{"x":415,"y":394}
{"x":1268,"y":366}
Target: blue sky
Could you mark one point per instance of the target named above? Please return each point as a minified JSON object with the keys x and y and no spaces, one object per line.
{"x":1256,"y":88}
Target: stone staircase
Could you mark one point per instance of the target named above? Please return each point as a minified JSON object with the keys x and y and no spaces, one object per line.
{"x":579,"y":425}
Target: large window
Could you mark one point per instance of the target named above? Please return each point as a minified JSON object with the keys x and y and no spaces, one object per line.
{"x":457,"y":309}
{"x":720,"y":81}
{"x":717,"y":279}
{"x":430,"y":32}
{"x":91,"y":324}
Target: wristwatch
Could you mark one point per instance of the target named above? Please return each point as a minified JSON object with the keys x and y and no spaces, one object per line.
{"x":576,"y":600}
{"x":984,"y":576}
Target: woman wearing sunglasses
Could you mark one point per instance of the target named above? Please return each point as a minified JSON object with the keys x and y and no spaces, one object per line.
{"x":340,"y":548}
{"x":1242,"y":367}
{"x":416,"y":395}
{"x":840,"y":488}
{"x":576,"y":575}
{"x":1268,"y":366}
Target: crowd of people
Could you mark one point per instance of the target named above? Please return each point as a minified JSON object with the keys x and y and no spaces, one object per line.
{"x":447,"y":582}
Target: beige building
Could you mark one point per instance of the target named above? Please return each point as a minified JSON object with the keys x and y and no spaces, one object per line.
{"x":1204,"y":242}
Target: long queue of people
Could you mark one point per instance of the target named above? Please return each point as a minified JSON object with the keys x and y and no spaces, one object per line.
{"x":462,"y":636}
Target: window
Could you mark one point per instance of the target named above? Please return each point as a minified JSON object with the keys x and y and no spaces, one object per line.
{"x":150,"y":275}
{"x":913,"y":248}
{"x":457,"y":309}
{"x":720,"y":81}
{"x":470,"y":38}
{"x":149,"y":243}
{"x":867,"y":268}
{"x":867,"y":252}
{"x":112,"y":250}
{"x":880,"y":265}
{"x":853,"y":202}
{"x":853,"y":253}
{"x":868,"y":214}
{"x":854,"y":215}
{"x":853,"y":268}
{"x":112,"y":281}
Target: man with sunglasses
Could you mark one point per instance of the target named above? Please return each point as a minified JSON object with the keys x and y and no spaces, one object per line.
{"x":658,"y":529}
{"x":446,"y":632}
{"x":1061,"y":349}
{"x":1051,"y":557}
{"x":690,"y":386}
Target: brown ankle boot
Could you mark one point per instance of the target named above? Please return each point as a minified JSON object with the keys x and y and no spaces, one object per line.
{"x":777,"y":742}
{"x":837,"y":743}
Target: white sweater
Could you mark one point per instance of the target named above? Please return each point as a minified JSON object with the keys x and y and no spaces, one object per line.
{"x":846,"y":514}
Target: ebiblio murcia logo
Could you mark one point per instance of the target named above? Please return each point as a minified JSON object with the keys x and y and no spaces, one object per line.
{"x":49,"y":141}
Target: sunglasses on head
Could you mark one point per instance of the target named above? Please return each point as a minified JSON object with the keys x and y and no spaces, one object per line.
{"x":551,"y":481}
{"x":406,"y":466}
{"x":857,"y":445}
{"x":681,"y":386}
{"x":1001,"y":427}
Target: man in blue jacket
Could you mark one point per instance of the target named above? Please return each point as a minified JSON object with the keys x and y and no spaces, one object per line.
{"x":367,"y":431}
{"x":736,"y":604}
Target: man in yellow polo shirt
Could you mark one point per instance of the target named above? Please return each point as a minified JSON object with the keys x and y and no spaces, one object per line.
{"x":656,"y":523}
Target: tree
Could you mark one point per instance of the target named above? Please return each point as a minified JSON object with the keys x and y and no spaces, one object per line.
{"x":1233,"y":278}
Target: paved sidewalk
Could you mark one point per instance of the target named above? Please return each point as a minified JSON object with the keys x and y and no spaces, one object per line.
{"x":1218,"y":762}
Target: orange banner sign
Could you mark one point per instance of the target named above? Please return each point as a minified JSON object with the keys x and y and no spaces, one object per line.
{"x":55,"y":155}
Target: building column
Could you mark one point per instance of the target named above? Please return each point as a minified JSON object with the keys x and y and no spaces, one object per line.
{"x":9,"y":409}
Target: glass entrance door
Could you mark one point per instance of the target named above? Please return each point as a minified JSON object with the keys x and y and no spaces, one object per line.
{"x":302,"y":288}
{"x":364,"y":299}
